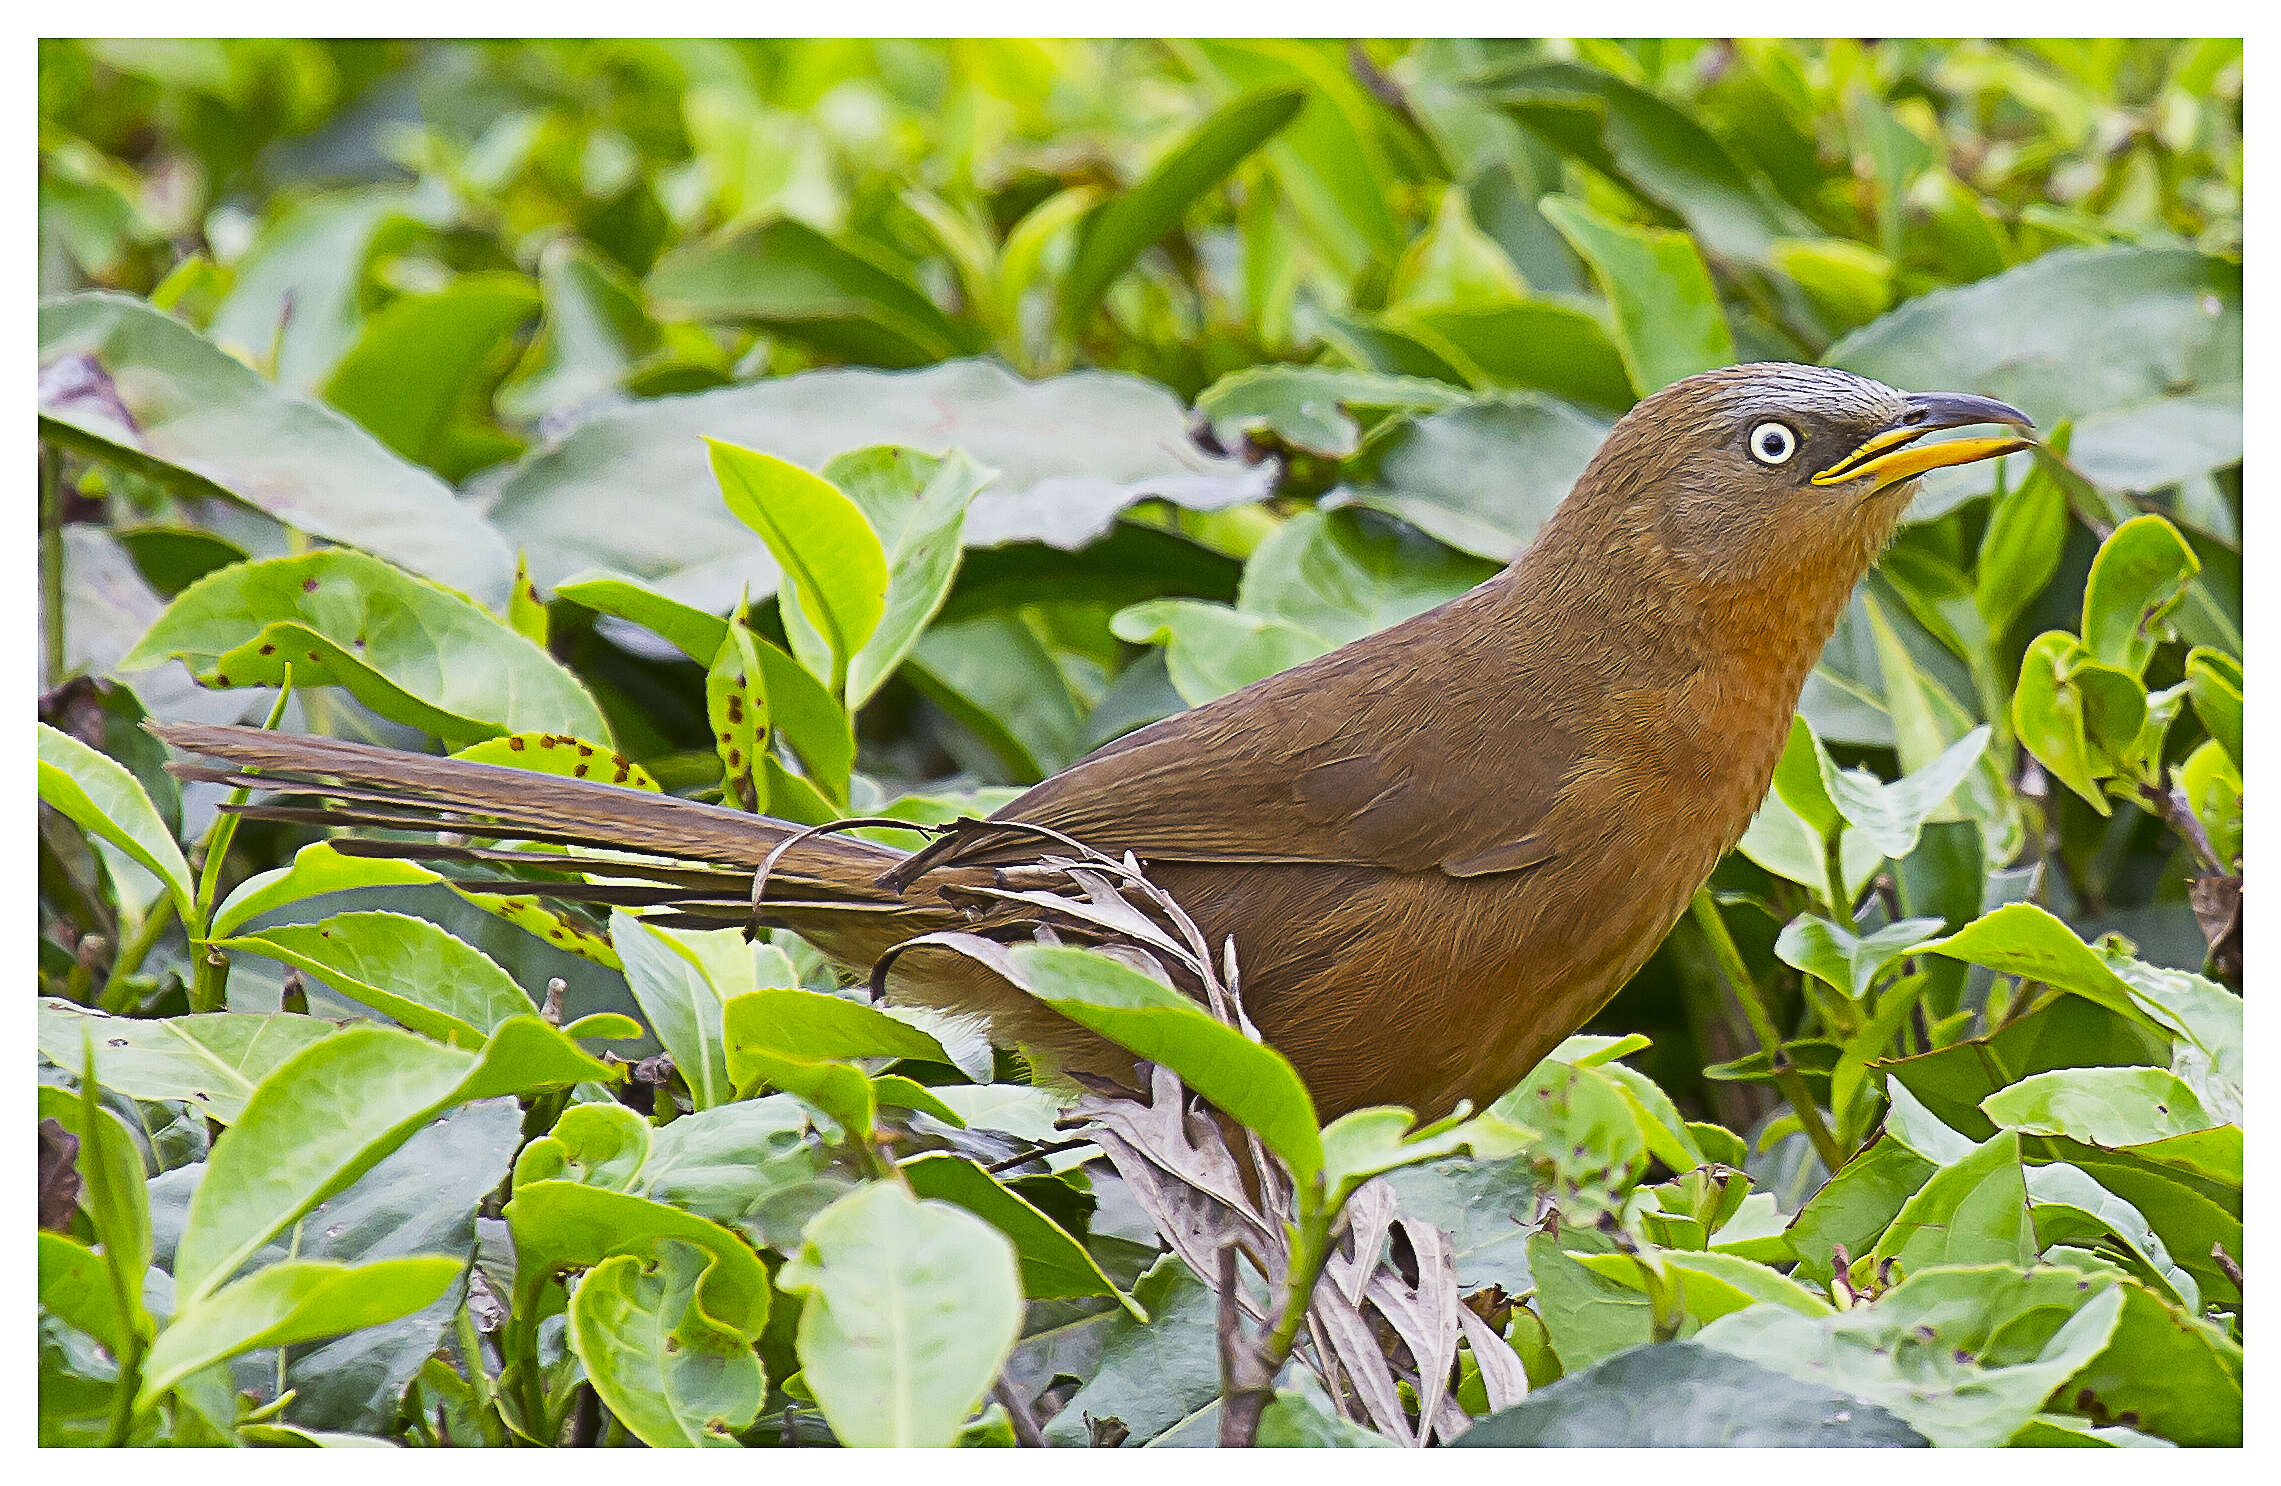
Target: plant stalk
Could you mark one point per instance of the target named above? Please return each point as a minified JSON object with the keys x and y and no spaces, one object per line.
{"x":135,"y":949}
{"x":1747,"y":992}
{"x":51,"y":568}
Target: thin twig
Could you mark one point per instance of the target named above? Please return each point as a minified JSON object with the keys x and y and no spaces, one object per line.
{"x":1026,"y":1431}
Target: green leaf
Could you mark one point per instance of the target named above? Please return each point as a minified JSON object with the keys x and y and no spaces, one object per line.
{"x":2170,"y":412}
{"x":75,"y":1286}
{"x":1211,"y":649}
{"x":414,"y":364}
{"x":123,"y":383}
{"x":2020,"y":550}
{"x":669,"y":1374}
{"x":2069,"y":1205}
{"x":791,"y":278}
{"x":297,"y":1301}
{"x":762,"y":1026}
{"x":408,"y":968}
{"x":561,"y":755}
{"x":832,"y":559}
{"x":1856,"y":1206}
{"x":910,"y":1307}
{"x":1891,"y":815}
{"x":1054,"y":1265}
{"x":917,"y":505}
{"x":213,"y":1060}
{"x":1295,"y":1421}
{"x":601,"y":1145}
{"x":1249,"y":1081}
{"x":410,"y":650}
{"x":693,"y":632}
{"x":736,"y":711}
{"x":1341,"y":575}
{"x":1163,"y":1378}
{"x":1684,"y":1394}
{"x":2177,"y":1373}
{"x":672,"y":976}
{"x":1851,"y":962}
{"x":2072,"y":712}
{"x":1071,"y":452}
{"x":1709,"y":1285}
{"x":2104,"y":1106}
{"x":560,"y":1226}
{"x":1972,"y":1212}
{"x":2024,"y":940}
{"x":326,"y":1115}
{"x":2138,"y":579}
{"x":592,"y":332}
{"x":1849,"y":282}
{"x":298,"y":296}
{"x":1668,"y":319}
{"x":1309,"y":407}
{"x":752,"y":1165}
{"x":1454,"y":263}
{"x":316,"y":869}
{"x":1128,"y":223}
{"x":103,"y":799}
{"x":2213,"y":683}
{"x":1945,"y":1350}
{"x":112,"y":1188}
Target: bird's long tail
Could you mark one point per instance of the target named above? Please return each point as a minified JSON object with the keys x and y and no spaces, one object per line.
{"x":696,"y":862}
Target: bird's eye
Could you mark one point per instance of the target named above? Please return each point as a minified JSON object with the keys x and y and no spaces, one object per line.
{"x":1773,"y":443}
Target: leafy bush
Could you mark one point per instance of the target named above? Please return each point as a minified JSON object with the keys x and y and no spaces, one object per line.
{"x":867,"y":428}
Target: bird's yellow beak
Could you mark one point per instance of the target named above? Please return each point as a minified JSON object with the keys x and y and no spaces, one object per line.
{"x":1893,"y":454}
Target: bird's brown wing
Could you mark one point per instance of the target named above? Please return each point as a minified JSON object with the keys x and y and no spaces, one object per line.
{"x":1383,"y":754}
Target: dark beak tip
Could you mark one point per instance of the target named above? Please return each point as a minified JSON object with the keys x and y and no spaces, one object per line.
{"x":1957,"y":409}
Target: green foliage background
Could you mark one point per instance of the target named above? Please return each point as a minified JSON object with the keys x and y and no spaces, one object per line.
{"x":1133,"y":371}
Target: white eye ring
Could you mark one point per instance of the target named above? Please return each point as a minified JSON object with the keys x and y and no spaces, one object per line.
{"x":1773,"y":443}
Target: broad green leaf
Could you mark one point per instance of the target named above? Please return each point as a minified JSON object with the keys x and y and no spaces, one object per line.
{"x":601,"y":1145}
{"x":408,"y":968}
{"x":1849,"y":282}
{"x":1798,"y":780}
{"x":1071,"y":452}
{"x":562,"y":1226}
{"x":2177,"y":1373}
{"x":112,"y":1190}
{"x":1054,"y":1265}
{"x":661,"y":1366}
{"x":832,"y":559}
{"x":1364,"y":1143}
{"x":1855,"y":1207}
{"x":2213,"y":789}
{"x":1341,"y":575}
{"x":316,"y":869}
{"x":410,"y":370}
{"x":1972,"y":1212}
{"x":2069,"y":1205}
{"x":1891,"y":815}
{"x":326,"y":1115}
{"x":1473,"y":1200}
{"x":1684,"y":1394}
{"x":793,"y":279}
{"x":2024,"y":940}
{"x":2066,"y":1032}
{"x":1249,"y":1081}
{"x":2139,"y":577}
{"x":917,"y":505}
{"x":2066,"y":704}
{"x":1308,"y":407}
{"x":1211,"y":649}
{"x":1587,"y":1316}
{"x":103,"y":799}
{"x":1554,"y":347}
{"x":297,"y":1301}
{"x":410,"y":650}
{"x":1589,"y":1128}
{"x":909,"y":1309}
{"x":1128,"y":223}
{"x":1293,"y":1420}
{"x":75,"y":1286}
{"x":2104,"y":1106}
{"x":1851,"y":962}
{"x":736,"y":711}
{"x":1163,"y":1378}
{"x":1454,"y":263}
{"x":693,"y":632}
{"x":2213,"y":683}
{"x":2020,"y":550}
{"x":816,"y":1025}
{"x":562,"y":755}
{"x":1710,"y":1285}
{"x":297,"y":298}
{"x":213,"y":1060}
{"x":1943,"y":1349}
{"x":591,"y":332}
{"x":753,"y":1165}
{"x":126,"y":384}
{"x":1668,"y":318}
{"x":1654,"y":145}
{"x":673,"y":984}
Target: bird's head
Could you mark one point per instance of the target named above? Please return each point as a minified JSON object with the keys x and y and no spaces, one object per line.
{"x":1749,"y":474}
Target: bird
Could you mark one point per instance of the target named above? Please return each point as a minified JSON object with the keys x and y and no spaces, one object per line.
{"x":1438,"y":850}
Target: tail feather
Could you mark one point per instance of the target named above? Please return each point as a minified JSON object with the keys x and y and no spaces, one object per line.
{"x":709,"y":854}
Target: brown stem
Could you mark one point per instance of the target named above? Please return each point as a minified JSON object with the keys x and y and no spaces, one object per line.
{"x":1026,"y":1431}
